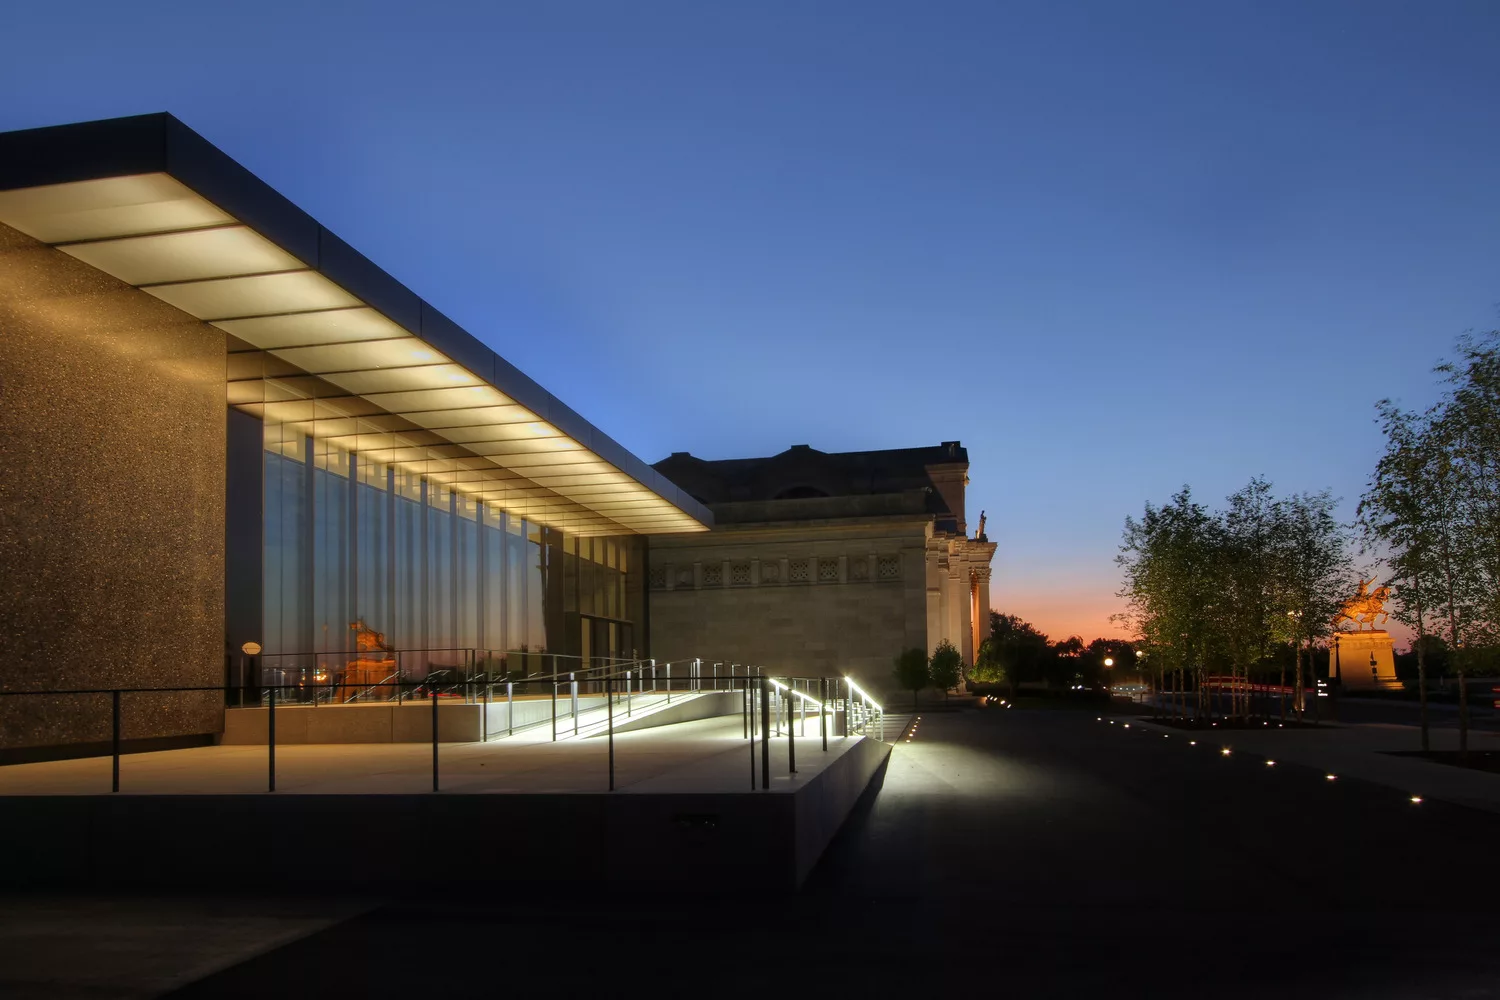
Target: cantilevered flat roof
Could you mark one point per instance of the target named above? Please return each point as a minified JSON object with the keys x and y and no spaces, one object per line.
{"x":148,"y":200}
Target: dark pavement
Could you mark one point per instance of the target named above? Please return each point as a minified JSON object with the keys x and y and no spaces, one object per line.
{"x":1482,"y":715}
{"x":1015,"y":853}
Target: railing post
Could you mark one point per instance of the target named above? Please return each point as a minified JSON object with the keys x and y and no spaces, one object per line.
{"x":484,"y":722}
{"x":114,"y":740}
{"x":669,"y":683}
{"x":271,"y":736}
{"x":627,"y":694}
{"x":765,"y":735}
{"x":747,"y":702}
{"x":400,"y":688}
{"x":554,"y":710}
{"x":791,"y":739}
{"x":823,"y":710}
{"x":610,"y":702}
{"x":745,"y":714}
{"x":432,"y":693}
{"x":573,"y":700}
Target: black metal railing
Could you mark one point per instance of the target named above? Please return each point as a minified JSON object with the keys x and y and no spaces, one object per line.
{"x":770,"y":707}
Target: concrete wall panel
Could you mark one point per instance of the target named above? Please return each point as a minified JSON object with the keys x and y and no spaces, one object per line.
{"x":111,"y":503}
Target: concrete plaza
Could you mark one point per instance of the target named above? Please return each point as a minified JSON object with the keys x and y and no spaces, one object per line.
{"x":1361,"y":751}
{"x":708,"y":755}
{"x":1015,"y":853}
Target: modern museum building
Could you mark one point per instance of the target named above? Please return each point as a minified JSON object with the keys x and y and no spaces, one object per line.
{"x":223,"y":428}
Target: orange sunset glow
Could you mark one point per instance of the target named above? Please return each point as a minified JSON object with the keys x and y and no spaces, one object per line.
{"x":1062,"y":608}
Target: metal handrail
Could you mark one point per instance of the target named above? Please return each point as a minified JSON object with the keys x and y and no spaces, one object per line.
{"x":758,"y":691}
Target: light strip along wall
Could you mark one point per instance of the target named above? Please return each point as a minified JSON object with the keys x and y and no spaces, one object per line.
{"x":333,"y":362}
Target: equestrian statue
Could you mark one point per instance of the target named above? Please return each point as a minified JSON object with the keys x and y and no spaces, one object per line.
{"x":1366,"y":607}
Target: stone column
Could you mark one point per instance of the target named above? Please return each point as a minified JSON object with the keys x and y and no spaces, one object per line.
{"x":935,"y":571}
{"x":957,"y":602}
{"x":982,"y":601}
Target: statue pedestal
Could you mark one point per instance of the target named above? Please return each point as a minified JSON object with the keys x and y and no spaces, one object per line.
{"x":1365,"y":661}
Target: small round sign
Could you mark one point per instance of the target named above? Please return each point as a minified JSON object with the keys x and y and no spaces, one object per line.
{"x":250,"y":648}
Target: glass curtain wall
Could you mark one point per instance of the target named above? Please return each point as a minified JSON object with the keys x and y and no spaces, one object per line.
{"x":364,"y":533}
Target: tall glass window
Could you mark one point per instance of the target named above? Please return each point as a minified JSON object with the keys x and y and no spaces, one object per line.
{"x":366,"y":527}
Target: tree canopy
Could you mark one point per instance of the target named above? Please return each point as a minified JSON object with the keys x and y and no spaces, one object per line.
{"x":1227,"y":589}
{"x":1432,"y":510}
{"x":912,"y":671}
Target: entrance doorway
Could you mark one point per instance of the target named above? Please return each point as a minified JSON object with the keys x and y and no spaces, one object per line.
{"x":605,"y":640}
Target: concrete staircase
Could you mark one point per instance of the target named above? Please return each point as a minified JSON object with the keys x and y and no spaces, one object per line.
{"x":896,"y":725}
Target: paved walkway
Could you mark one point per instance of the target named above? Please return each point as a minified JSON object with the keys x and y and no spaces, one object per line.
{"x":1011,"y":854}
{"x":707,"y":755}
{"x":71,"y":947}
{"x":1359,"y":751}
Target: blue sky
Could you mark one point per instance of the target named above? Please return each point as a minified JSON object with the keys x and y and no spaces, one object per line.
{"x":1112,"y":247}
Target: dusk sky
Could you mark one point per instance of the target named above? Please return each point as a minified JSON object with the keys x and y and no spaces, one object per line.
{"x":1112,"y":247}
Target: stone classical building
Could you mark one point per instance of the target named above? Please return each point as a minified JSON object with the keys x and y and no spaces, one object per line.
{"x":832,"y":562}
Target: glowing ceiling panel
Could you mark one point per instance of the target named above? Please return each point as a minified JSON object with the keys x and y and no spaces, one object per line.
{"x":189,"y":256}
{"x":334,"y":368}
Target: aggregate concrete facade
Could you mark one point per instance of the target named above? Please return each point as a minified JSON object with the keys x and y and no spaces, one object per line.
{"x":111,"y":503}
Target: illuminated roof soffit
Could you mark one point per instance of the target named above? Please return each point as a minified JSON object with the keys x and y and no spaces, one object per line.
{"x":376,"y":376}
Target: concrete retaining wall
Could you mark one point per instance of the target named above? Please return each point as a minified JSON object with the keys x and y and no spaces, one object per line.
{"x":651,"y":842}
{"x":390,"y":722}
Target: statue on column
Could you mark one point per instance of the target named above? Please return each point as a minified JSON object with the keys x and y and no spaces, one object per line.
{"x":980,"y":535}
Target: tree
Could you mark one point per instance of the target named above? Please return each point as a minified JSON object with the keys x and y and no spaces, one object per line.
{"x":1313,"y":570}
{"x":1470,"y":428}
{"x":1238,"y":587}
{"x":1434,"y":505}
{"x":1169,"y":559}
{"x":912,"y":672}
{"x":946,"y":667}
{"x":1065,"y":657}
{"x":1395,"y":513}
{"x":988,"y":668}
{"x":1019,"y":650}
{"x":1250,"y":616}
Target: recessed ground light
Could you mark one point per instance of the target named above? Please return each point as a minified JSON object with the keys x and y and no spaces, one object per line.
{"x":1127,"y":725}
{"x":1270,"y":763}
{"x":1416,"y":800}
{"x":1225,"y":751}
{"x":1192,"y":743}
{"x":1330,"y":777}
